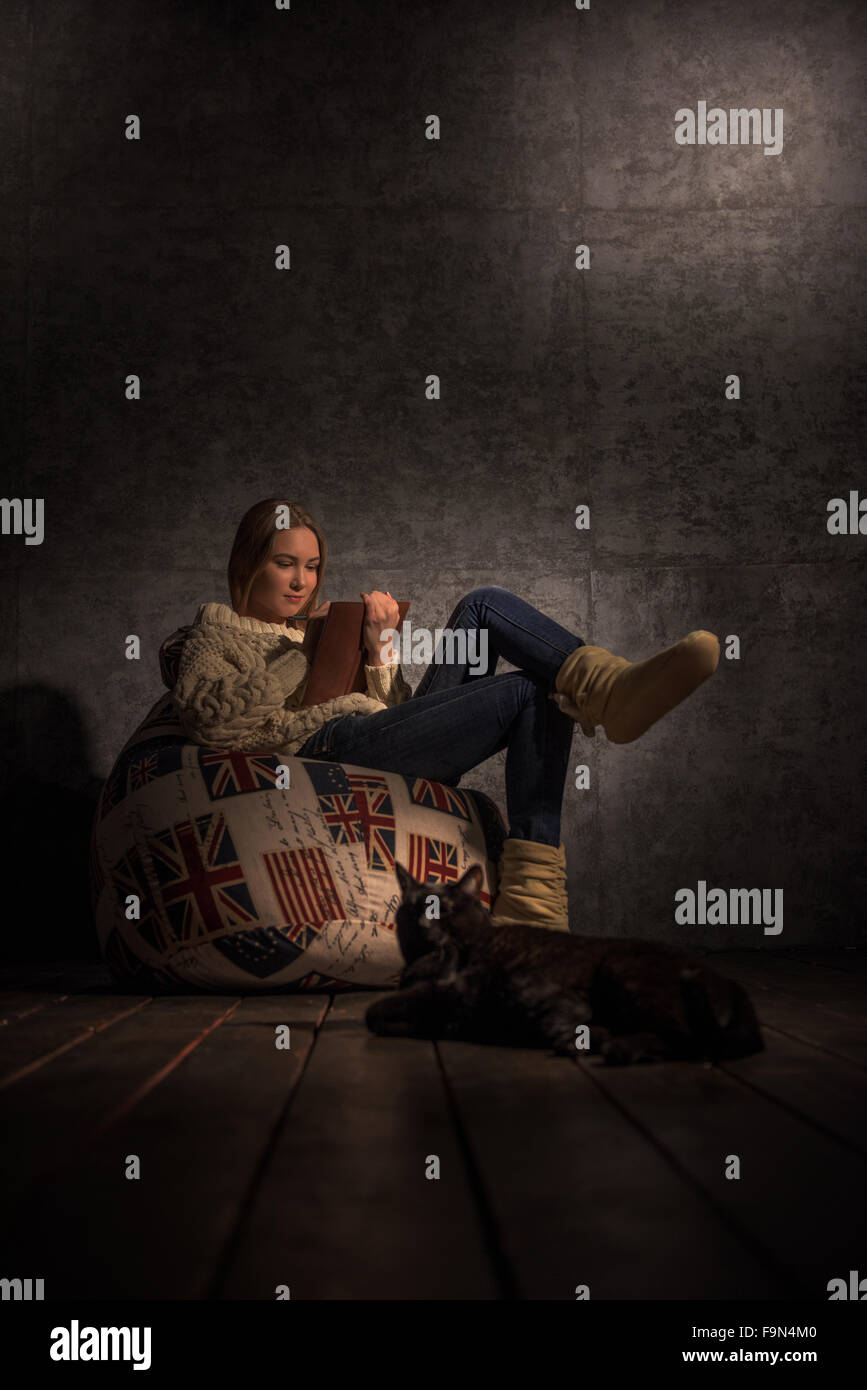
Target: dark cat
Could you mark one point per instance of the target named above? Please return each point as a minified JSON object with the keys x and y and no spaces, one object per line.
{"x":525,"y":986}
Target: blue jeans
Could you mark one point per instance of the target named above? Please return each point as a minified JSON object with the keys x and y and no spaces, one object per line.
{"x":456,"y":720}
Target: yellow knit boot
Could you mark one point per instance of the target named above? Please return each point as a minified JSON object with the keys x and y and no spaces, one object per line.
{"x":626,"y":697}
{"x":532,"y":886}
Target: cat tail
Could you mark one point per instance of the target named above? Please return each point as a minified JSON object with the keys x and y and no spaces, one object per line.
{"x":726,"y":1031}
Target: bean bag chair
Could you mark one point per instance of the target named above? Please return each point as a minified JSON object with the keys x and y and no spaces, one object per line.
{"x":206,"y":875}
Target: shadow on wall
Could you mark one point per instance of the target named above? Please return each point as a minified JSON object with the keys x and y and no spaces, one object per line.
{"x":48,"y":798}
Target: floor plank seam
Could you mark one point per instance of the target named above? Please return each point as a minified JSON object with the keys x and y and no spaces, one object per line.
{"x":226,"y":1257}
{"x":25,"y":1013}
{"x":46,"y":1057}
{"x":747,"y":1238}
{"x":507,"y":1280}
{"x":858,"y":1150}
{"x":151,"y":1082}
{"x":77,"y":1149}
{"x":817,"y":1047}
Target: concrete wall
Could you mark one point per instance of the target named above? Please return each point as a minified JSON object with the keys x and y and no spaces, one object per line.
{"x":560,"y":386}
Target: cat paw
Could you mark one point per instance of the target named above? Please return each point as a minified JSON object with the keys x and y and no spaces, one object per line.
{"x":383,"y":1019}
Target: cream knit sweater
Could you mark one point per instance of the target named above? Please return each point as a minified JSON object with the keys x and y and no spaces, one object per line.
{"x":241,"y":681}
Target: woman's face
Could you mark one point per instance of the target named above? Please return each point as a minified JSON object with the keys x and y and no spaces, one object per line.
{"x":288,"y":579}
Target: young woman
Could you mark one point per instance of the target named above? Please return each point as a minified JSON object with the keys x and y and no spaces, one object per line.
{"x":243,"y":669}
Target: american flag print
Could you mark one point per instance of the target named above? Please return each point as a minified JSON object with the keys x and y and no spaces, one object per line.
{"x":423,"y":792}
{"x":305,"y":889}
{"x":262,"y":951}
{"x":202,"y":883}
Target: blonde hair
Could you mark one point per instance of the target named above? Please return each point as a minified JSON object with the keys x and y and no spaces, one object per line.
{"x":251,"y":549}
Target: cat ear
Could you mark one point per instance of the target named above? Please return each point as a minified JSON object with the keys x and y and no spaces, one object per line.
{"x":405,"y":879}
{"x":472,"y":880}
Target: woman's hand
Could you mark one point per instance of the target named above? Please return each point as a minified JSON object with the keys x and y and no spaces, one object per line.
{"x":321,"y":610}
{"x":380,"y":612}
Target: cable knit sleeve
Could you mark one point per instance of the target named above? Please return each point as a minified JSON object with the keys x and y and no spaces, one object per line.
{"x":227,"y":696}
{"x":387,"y":683}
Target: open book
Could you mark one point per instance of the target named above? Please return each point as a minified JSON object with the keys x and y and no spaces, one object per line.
{"x":334,"y":646}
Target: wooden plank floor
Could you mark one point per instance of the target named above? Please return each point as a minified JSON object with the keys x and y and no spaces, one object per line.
{"x":308,"y":1167}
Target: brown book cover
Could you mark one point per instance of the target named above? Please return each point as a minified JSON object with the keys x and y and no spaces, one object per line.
{"x":334,"y":646}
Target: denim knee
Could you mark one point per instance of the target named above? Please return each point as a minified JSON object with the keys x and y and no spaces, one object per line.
{"x":485,"y":592}
{"x":531,"y":686}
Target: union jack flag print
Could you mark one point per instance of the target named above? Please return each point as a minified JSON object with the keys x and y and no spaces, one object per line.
{"x":202,"y":884}
{"x":129,"y":879}
{"x":442,"y":798}
{"x":245,"y":885}
{"x":156,"y":759}
{"x":432,"y":860}
{"x":227,"y":773}
{"x":356,"y":806}
{"x":437,"y":861}
{"x":114,"y":789}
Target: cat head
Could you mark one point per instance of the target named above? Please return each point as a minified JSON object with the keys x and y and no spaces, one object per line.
{"x":720,"y":1014}
{"x":429,"y":913}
